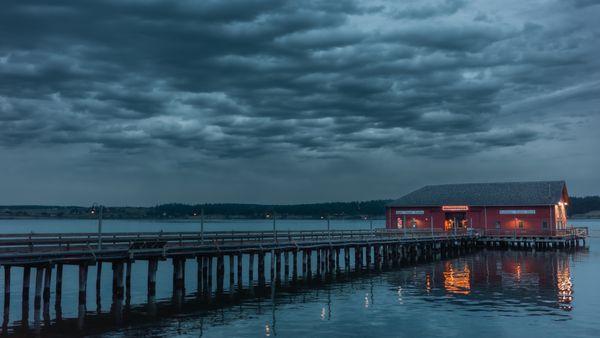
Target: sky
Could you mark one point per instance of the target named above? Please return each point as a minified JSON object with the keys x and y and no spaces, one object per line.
{"x":141,"y":102}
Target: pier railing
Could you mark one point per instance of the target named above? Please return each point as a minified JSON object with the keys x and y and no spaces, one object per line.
{"x":37,"y":240}
{"x":580,"y":232}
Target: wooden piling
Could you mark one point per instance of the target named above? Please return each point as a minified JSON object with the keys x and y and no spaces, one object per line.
{"x":26,"y":284}
{"x":47,"y":281}
{"x":261,"y":269}
{"x":152,"y":268}
{"x":294,"y":265}
{"x":231,"y":274}
{"x":128,"y":280}
{"x":286,"y":273}
{"x":240,"y":280}
{"x":347,"y":258}
{"x":202,"y":274}
{"x":98,"y":280}
{"x":309,"y":264}
{"x":251,"y":269}
{"x":118,"y":278}
{"x":220,"y":273}
{"x":58,"y":286}
{"x":6,"y":289}
{"x":319,"y":263}
{"x":83,"y":274}
{"x":39,"y":278}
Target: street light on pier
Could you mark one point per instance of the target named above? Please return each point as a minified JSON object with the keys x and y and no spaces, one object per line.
{"x":98,"y":208}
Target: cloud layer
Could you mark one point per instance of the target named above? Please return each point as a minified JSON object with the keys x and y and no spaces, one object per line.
{"x":312,"y":80}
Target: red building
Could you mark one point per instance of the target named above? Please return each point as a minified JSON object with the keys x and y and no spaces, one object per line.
{"x":512,"y":207}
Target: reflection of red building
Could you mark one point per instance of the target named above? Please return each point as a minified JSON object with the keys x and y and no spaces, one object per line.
{"x":515,"y":207}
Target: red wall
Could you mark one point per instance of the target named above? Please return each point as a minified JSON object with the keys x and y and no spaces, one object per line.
{"x":476,"y":217}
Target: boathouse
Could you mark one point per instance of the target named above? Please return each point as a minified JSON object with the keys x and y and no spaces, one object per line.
{"x":497,"y":208}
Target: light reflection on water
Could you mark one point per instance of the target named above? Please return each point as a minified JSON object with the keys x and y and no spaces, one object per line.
{"x":496,"y":293}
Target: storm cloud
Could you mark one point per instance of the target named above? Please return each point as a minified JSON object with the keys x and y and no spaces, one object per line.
{"x":187,"y":100}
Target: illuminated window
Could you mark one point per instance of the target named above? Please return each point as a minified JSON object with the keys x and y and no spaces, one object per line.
{"x":521,"y":223}
{"x":497,"y":224}
{"x":413,"y":223}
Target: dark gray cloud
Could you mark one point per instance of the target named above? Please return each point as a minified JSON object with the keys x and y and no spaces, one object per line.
{"x":234,"y":83}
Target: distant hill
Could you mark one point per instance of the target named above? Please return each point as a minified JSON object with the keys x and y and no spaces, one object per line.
{"x":579,"y":207}
{"x":348,"y":210}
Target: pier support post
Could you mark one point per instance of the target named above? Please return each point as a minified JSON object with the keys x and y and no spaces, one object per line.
{"x":295,"y":265}
{"x":117,"y":280}
{"x":319,"y":263}
{"x":347,"y":258}
{"x":357,"y":258}
{"x":286,"y":273}
{"x":26,"y":284}
{"x":309,"y":264}
{"x":304,"y":264}
{"x":152,"y":267}
{"x":128,"y":280}
{"x":330,"y":260}
{"x":220,"y":273}
{"x":231,"y":274}
{"x":98,"y":283}
{"x":261,"y":269}
{"x":47,"y":281}
{"x":251,"y":270}
{"x":240,"y":280}
{"x":83,"y":274}
{"x":58,"y":292}
{"x":279,"y":256}
{"x":39,"y":278}
{"x":368,"y":257}
{"x":6,"y":292}
{"x":199,"y":275}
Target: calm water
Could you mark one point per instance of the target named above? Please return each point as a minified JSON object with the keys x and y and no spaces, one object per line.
{"x":492,"y":293}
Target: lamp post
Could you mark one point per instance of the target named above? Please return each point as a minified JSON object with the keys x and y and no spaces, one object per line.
{"x":202,"y":225}
{"x":100,"y":210}
{"x":274,"y":228}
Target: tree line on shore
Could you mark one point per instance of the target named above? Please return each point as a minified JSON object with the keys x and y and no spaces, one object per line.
{"x":348,"y":210}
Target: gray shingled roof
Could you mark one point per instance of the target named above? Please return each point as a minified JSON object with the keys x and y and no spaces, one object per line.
{"x":485,"y":194}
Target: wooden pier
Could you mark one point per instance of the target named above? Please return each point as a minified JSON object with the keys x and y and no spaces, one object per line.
{"x":293,"y":257}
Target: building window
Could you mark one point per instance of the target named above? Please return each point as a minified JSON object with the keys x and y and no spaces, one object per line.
{"x":413,"y":223}
{"x":544,"y":224}
{"x":497,"y":224}
{"x":521,"y":223}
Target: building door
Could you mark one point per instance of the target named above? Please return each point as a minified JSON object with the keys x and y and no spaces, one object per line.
{"x":455,"y":220}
